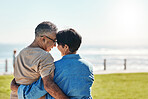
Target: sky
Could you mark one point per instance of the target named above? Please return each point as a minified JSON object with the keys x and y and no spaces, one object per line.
{"x":100,"y":22}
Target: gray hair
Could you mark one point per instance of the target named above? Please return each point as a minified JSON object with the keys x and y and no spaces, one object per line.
{"x":45,"y":28}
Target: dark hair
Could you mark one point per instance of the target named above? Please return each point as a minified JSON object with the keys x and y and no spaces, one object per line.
{"x":44,"y":28}
{"x":69,"y":37}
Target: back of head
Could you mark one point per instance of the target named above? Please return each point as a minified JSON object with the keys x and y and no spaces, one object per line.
{"x":69,"y":37}
{"x":44,"y":28}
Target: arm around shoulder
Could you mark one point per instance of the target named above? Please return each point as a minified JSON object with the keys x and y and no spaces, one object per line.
{"x":52,"y":88}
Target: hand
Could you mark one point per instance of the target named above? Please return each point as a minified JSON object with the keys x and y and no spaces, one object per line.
{"x":14,"y":86}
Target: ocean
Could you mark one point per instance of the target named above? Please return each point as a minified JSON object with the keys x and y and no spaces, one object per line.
{"x":137,"y":58}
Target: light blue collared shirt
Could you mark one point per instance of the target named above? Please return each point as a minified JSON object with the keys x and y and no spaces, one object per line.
{"x":73,"y":75}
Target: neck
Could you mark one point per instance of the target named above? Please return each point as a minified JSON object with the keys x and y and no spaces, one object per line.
{"x":35,"y":44}
{"x":71,"y":53}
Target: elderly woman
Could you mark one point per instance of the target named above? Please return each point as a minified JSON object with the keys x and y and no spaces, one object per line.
{"x":72,"y":74}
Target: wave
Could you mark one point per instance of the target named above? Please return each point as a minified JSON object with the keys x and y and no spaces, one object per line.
{"x":136,"y":58}
{"x":104,"y":51}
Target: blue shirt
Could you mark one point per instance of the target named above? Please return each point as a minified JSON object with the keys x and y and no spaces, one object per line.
{"x":73,"y":75}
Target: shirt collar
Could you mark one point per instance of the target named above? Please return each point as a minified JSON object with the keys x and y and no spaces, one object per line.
{"x":76,"y":56}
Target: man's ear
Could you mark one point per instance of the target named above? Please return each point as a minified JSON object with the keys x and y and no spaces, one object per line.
{"x":43,"y":39}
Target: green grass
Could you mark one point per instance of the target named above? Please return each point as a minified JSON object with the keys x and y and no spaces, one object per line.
{"x":5,"y":86}
{"x":121,"y":86}
{"x":106,"y":86}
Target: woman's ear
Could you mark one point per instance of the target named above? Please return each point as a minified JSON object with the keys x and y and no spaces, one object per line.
{"x":66,"y":47}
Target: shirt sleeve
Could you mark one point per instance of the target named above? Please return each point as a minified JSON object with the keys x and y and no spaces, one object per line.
{"x":33,"y":91}
{"x":46,"y":65}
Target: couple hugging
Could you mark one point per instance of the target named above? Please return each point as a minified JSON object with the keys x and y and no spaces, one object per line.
{"x":37,"y":76}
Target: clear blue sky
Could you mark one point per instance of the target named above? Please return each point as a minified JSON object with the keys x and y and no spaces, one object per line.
{"x":100,"y":22}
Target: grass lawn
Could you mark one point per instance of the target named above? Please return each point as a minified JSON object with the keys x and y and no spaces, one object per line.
{"x":5,"y":86}
{"x":106,"y":86}
{"x":121,"y":86}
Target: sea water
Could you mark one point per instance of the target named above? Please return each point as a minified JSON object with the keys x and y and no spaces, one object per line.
{"x":137,"y":58}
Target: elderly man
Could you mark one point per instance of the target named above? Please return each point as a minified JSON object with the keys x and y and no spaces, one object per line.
{"x":35,"y":61}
